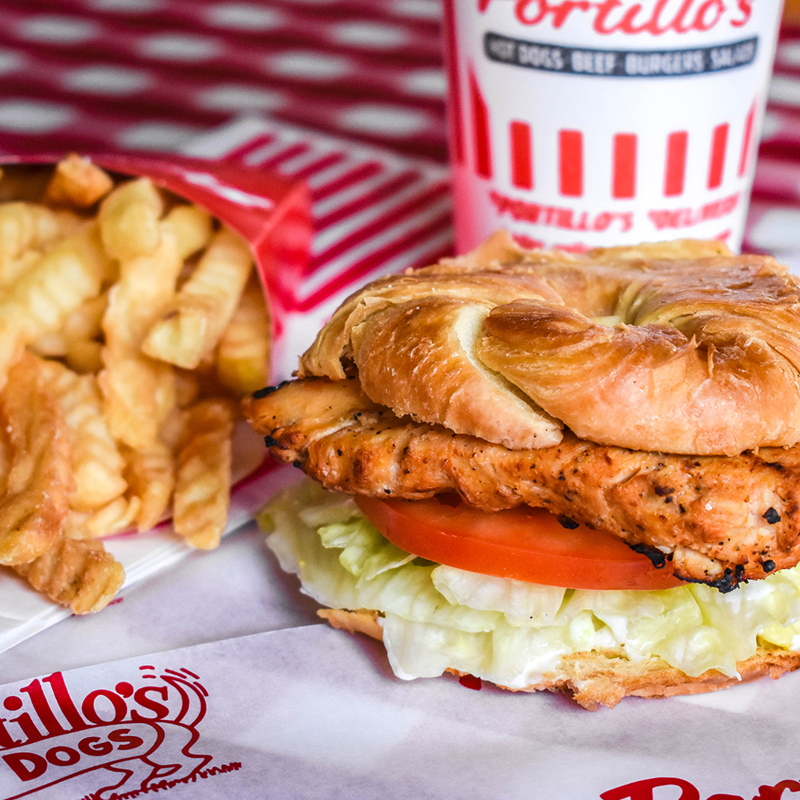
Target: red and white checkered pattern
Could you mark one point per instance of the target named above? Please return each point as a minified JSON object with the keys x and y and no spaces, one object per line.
{"x":144,"y":75}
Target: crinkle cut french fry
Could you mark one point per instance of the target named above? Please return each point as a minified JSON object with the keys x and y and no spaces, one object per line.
{"x":39,"y":302}
{"x":193,"y":228}
{"x":190,"y":328}
{"x":78,"y":183}
{"x":118,"y":515}
{"x":130,"y":219}
{"x":173,"y":426}
{"x":51,"y":345}
{"x":39,"y":482}
{"x":203,"y":477}
{"x":81,"y":328}
{"x":151,"y":477}
{"x":97,"y":464}
{"x":138,"y":390}
{"x":145,"y":286}
{"x":25,"y":226}
{"x":11,"y":270}
{"x":64,"y":278}
{"x":86,"y":322}
{"x":82,"y":332}
{"x":243,"y":353}
{"x":187,"y":387}
{"x":76,"y":573}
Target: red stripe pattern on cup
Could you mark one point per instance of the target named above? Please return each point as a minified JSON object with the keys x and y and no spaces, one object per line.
{"x":624,"y":165}
{"x":675,"y":173}
{"x":571,"y":162}
{"x":480,"y":129}
{"x":744,"y":158}
{"x":719,"y":144}
{"x":521,"y":155}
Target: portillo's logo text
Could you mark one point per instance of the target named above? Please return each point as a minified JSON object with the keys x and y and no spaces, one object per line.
{"x":654,"y":17}
{"x":132,"y":739}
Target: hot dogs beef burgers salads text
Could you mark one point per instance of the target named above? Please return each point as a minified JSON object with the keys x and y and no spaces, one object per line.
{"x":578,"y":473}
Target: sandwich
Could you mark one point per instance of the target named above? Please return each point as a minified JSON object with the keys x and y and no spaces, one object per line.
{"x":550,"y":471}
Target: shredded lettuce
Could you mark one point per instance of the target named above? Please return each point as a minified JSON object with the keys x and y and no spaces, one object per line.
{"x":511,"y":632}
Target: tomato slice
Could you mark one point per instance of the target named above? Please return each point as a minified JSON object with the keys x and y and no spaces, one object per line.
{"x":528,"y":544}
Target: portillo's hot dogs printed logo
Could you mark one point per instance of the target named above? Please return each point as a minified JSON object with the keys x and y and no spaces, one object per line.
{"x":646,"y":790}
{"x":134,"y":738}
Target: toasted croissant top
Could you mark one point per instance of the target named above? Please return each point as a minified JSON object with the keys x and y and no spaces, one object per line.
{"x":679,"y":347}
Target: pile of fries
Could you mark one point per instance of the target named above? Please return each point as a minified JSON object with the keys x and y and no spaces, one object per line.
{"x":130,"y":323}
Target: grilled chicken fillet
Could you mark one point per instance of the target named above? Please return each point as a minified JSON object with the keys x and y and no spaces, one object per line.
{"x":719,"y":519}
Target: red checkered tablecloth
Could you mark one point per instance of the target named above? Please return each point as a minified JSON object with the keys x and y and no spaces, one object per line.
{"x":148,"y":74}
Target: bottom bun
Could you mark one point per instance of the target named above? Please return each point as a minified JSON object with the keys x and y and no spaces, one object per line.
{"x":595,"y":678}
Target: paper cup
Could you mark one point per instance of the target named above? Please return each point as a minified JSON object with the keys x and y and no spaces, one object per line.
{"x":584,"y":124}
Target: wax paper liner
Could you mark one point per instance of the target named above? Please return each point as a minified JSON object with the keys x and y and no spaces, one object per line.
{"x":309,"y":712}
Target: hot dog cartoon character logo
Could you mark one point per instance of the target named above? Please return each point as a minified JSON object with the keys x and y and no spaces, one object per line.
{"x":139,"y":735}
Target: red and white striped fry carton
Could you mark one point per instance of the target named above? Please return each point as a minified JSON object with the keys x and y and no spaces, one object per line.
{"x":272,"y":212}
{"x":604,"y":122}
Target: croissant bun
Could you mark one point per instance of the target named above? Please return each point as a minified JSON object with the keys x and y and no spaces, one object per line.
{"x":678,"y":347}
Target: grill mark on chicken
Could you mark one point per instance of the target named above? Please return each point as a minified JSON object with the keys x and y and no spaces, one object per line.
{"x":709,"y":515}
